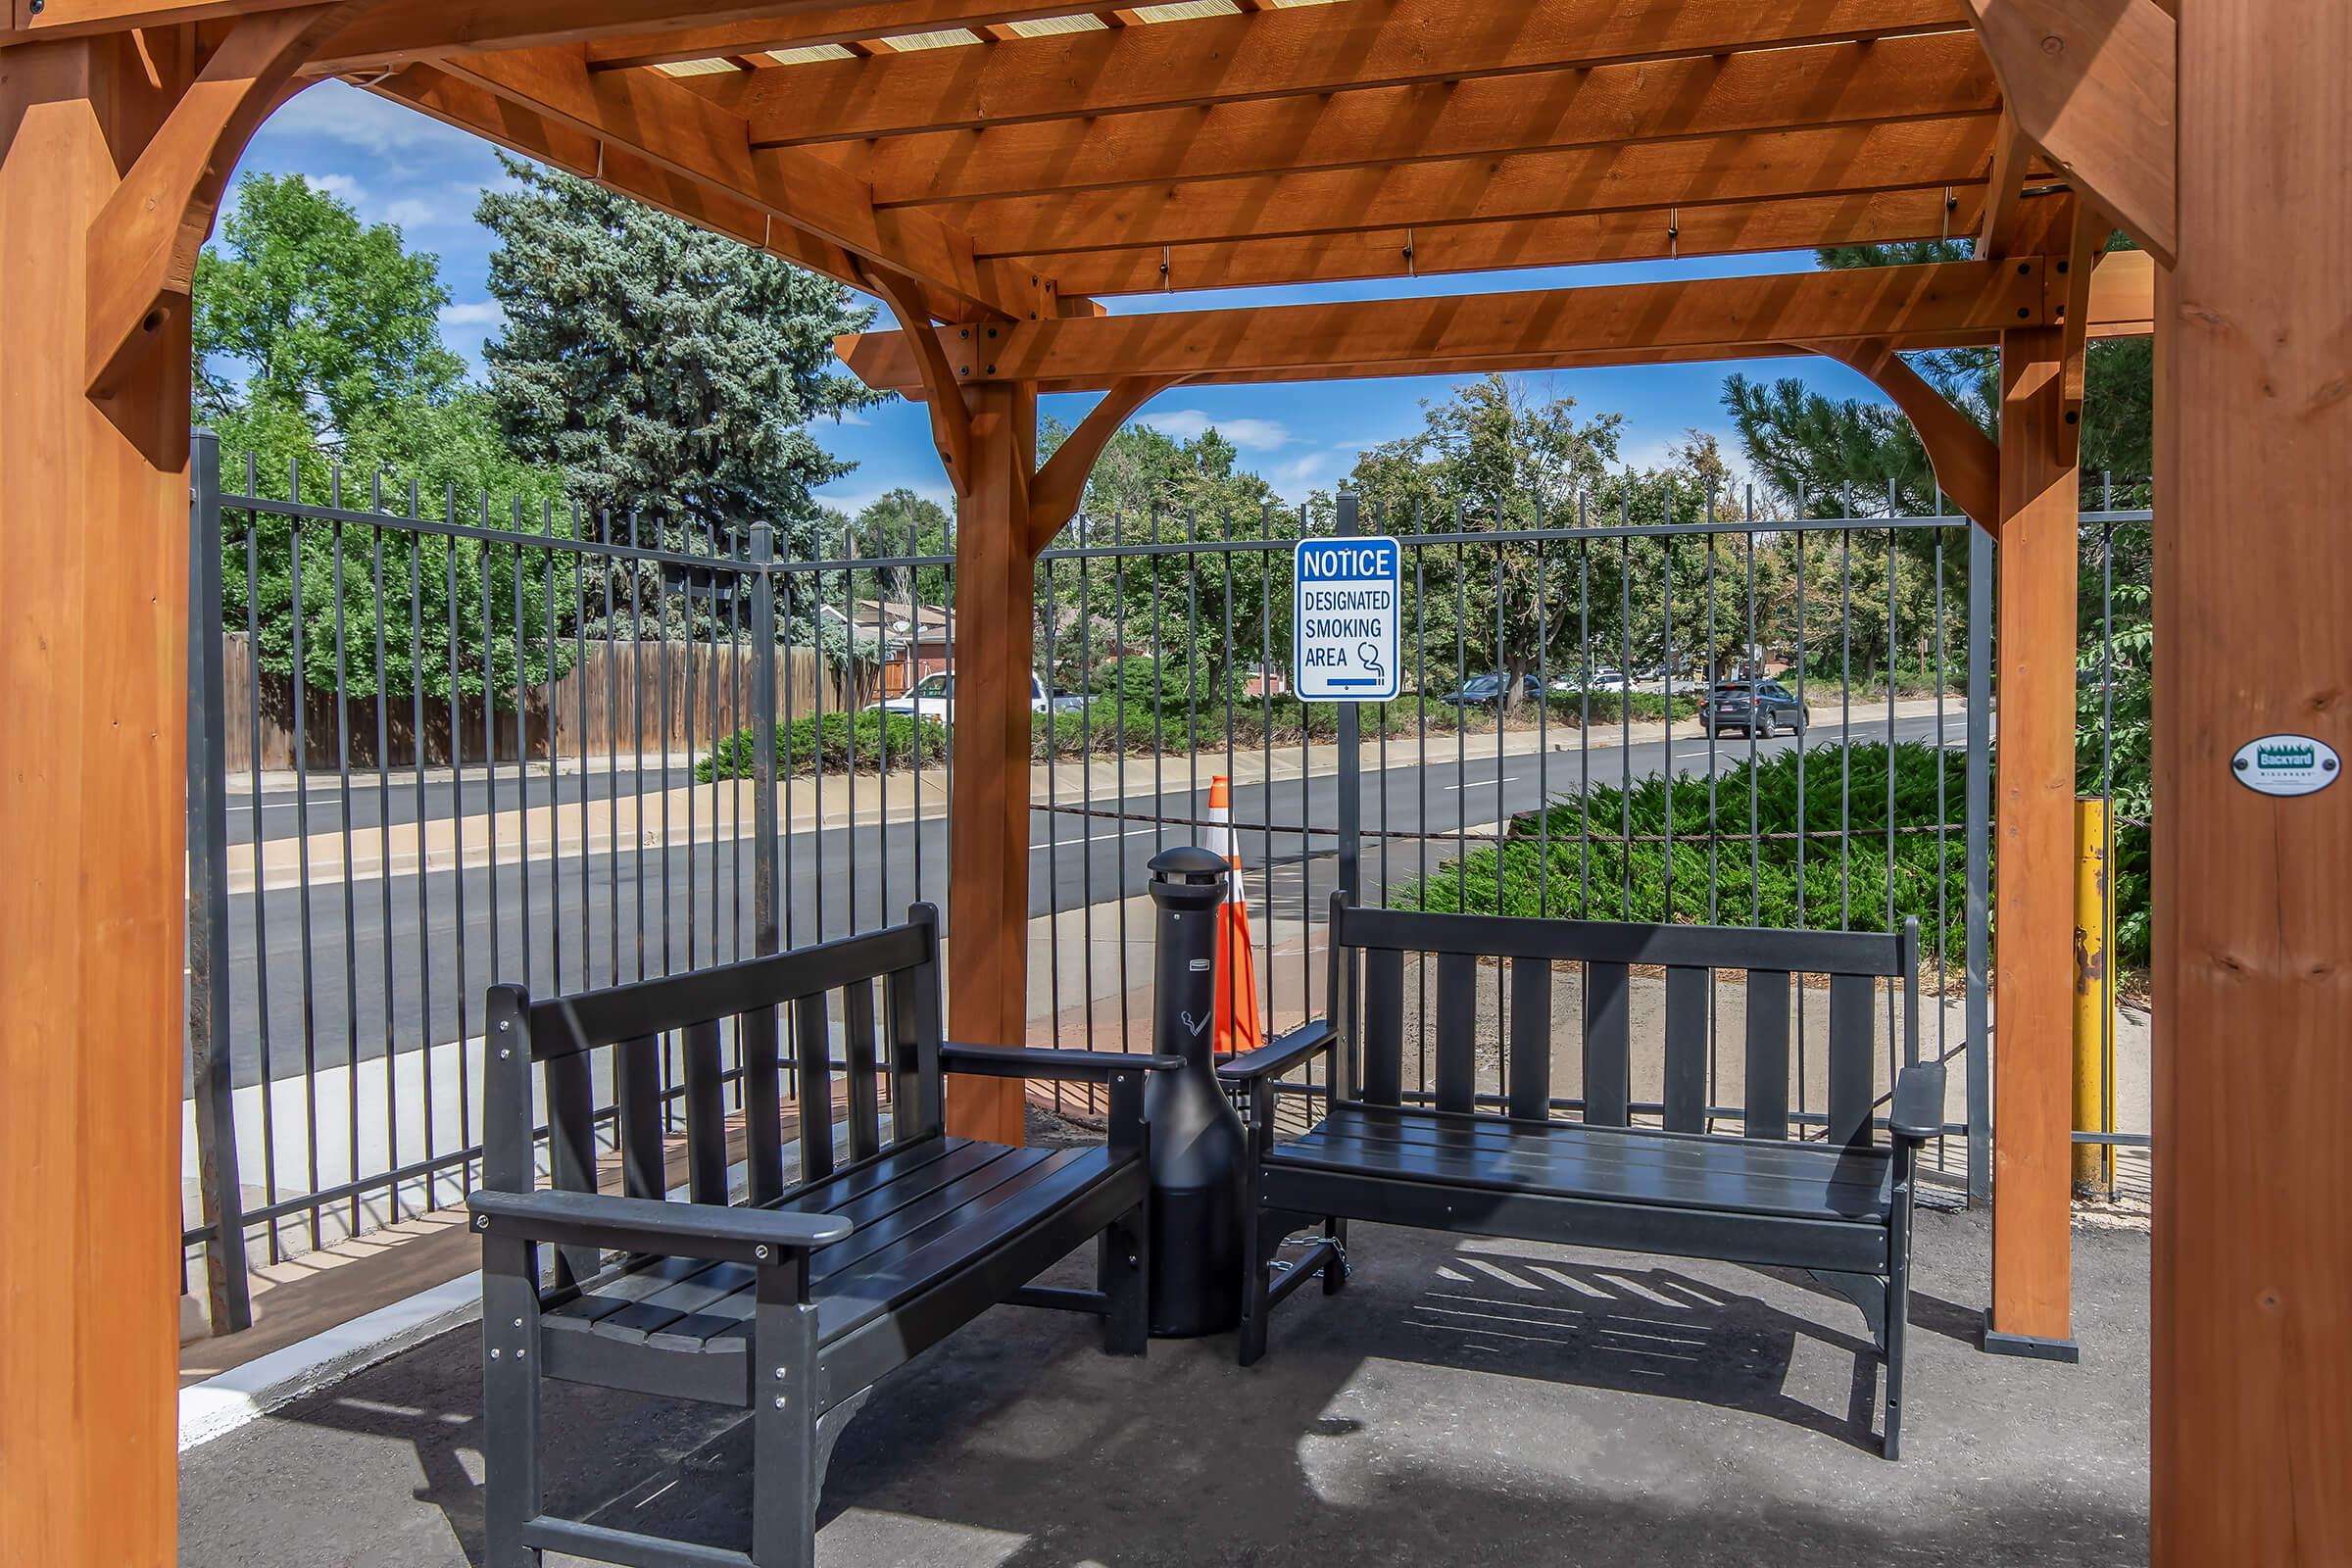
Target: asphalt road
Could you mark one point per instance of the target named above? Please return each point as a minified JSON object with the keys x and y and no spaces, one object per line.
{"x":406,"y":958}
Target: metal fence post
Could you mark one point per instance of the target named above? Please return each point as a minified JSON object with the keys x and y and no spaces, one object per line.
{"x":1978,"y":807}
{"x":764,"y":743}
{"x":1351,"y":782}
{"x":210,"y":1067}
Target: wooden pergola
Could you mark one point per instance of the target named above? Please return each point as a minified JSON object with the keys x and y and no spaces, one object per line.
{"x":995,"y":169}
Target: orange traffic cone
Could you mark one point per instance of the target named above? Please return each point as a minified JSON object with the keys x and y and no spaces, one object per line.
{"x":1238,"y":1027}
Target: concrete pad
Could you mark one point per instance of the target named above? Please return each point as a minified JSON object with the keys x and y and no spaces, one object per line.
{"x":1465,"y":1402}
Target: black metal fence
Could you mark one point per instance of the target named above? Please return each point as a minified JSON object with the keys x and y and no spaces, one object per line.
{"x":569,"y":750}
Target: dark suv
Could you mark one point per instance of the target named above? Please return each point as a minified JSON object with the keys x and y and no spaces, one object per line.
{"x":1754,"y":707}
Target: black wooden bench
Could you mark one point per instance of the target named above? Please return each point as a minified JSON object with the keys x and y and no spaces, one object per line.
{"x":1828,"y":1198}
{"x":793,"y":1300}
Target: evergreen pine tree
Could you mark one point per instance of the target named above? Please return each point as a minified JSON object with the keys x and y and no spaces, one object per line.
{"x":671,"y":373}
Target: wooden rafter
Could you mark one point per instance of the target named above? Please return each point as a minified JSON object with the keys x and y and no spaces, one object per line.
{"x":1937,"y":305}
{"x":2092,"y":83}
{"x":658,"y":120}
{"x":1275,"y":52}
{"x":2003,"y":190}
{"x":1557,"y":241}
{"x":1930,"y":155}
{"x":1933,"y":74}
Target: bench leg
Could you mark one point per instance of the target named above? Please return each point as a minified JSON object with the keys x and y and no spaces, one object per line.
{"x":509,"y":1402}
{"x":1254,"y":1284}
{"x":784,"y":1449}
{"x":1123,"y":1273}
{"x":1898,"y":1313}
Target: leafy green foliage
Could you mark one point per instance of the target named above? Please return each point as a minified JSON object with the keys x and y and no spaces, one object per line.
{"x":832,"y":743}
{"x":1605,"y":857}
{"x":319,"y":365}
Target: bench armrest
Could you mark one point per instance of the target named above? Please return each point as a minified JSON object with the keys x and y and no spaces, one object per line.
{"x":724,"y":1235}
{"x":1033,"y":1062}
{"x":1918,"y":1110}
{"x":1282,"y":1053}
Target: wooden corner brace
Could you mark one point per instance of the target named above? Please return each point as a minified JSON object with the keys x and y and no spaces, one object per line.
{"x":144,"y":242}
{"x":1967,"y":463}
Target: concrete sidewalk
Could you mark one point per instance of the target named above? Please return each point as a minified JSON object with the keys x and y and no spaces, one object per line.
{"x":1477,"y":1404}
{"x":704,"y":813}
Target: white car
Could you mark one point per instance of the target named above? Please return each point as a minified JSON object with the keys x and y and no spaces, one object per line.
{"x":934,"y":697}
{"x":1602,"y":679}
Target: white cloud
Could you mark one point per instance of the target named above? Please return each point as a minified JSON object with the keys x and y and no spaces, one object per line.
{"x":333,"y":111}
{"x":1319,"y":470}
{"x":343,"y":188}
{"x":1250,"y":435}
{"x":475,"y":312}
{"x":411,"y":211}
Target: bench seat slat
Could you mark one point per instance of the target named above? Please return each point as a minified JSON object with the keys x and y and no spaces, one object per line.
{"x":1568,"y":1158}
{"x":1638,"y":1142}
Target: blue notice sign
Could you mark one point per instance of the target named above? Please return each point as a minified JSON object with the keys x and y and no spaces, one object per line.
{"x":1344,"y":631}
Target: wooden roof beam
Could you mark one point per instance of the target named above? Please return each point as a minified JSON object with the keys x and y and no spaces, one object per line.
{"x":657,"y":119}
{"x":1728,"y":229}
{"x":1938,"y":304}
{"x":392,"y":33}
{"x":1364,"y":44}
{"x":1934,"y":154}
{"x":1924,"y":77}
{"x":2093,"y":83}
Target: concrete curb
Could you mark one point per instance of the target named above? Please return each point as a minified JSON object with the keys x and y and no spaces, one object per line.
{"x":220,"y":1405}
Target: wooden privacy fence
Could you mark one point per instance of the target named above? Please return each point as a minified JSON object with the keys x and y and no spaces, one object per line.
{"x":619,"y":697}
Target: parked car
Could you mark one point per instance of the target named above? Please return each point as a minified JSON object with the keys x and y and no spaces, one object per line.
{"x":1486,"y":691}
{"x":1760,"y":708}
{"x":934,"y":697}
{"x":1606,"y":678}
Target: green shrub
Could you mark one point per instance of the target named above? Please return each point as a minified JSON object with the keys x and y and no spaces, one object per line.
{"x":837,"y":743}
{"x":1578,"y":861}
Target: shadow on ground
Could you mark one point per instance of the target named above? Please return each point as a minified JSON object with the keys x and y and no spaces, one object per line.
{"x":1464,"y":1402}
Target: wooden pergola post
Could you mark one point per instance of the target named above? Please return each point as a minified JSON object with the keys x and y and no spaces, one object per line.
{"x":2251,"y":1457}
{"x":987,"y":889}
{"x":2034,"y":818}
{"x":93,"y":692}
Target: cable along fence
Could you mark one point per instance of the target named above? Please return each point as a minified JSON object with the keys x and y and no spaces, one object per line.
{"x":568,"y":752}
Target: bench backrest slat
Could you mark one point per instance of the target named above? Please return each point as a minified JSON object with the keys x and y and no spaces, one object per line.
{"x":637,"y":1117}
{"x":572,"y":1150}
{"x":706,"y":1112}
{"x":864,"y":1078}
{"x":1608,"y":1047}
{"x":913,"y":1018}
{"x":1530,"y":1088}
{"x":762,"y":1105}
{"x":1686,"y":1095}
{"x":1384,"y":1027}
{"x":1376,"y":944}
{"x":811,"y":1049}
{"x":1850,"y":1059}
{"x":691,"y":1024}
{"x":1457,"y":1032}
{"x":1767,"y":1061}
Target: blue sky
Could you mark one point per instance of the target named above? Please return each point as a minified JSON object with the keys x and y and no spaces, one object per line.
{"x":395,"y":165}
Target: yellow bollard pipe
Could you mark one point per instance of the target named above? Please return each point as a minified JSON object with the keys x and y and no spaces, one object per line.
{"x":2094,"y":999}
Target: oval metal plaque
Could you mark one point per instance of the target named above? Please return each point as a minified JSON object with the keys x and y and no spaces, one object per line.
{"x":2286,"y":764}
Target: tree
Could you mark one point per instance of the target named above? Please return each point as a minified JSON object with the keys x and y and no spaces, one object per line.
{"x":319,"y":316}
{"x":318,"y":361}
{"x":668,"y":372}
{"x":1820,"y":451}
{"x":1493,"y":455}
